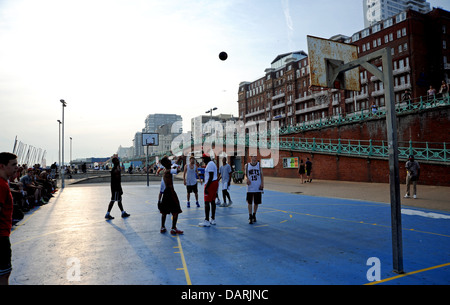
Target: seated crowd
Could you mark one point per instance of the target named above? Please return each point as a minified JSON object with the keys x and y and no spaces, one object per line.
{"x":30,"y":187}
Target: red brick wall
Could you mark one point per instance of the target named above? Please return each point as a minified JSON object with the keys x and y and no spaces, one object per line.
{"x":332,"y":167}
{"x":426,"y":126}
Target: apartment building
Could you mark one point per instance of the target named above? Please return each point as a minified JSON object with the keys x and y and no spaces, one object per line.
{"x":377,"y":10}
{"x":419,"y":48}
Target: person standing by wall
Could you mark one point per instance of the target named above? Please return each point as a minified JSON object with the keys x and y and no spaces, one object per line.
{"x":308,"y":170}
{"x":412,"y":176}
{"x":301,"y":170}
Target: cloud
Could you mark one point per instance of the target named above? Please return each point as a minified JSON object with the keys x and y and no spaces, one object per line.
{"x":289,"y":23}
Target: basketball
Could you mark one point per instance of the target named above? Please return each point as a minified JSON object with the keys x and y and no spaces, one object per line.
{"x":223,"y":56}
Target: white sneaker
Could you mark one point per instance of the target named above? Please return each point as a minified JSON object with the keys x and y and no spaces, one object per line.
{"x":415,"y":197}
{"x":229,"y":203}
{"x":204,"y":223}
{"x":213,"y":222}
{"x":406,"y":196}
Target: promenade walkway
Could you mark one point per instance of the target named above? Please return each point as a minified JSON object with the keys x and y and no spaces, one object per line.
{"x":322,"y":232}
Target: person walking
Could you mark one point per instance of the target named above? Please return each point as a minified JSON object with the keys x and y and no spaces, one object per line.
{"x":308,"y":170}
{"x":301,"y":170}
{"x":169,"y":203}
{"x":255,"y":187}
{"x":190,"y":175}
{"x":225,"y":175}
{"x":116,"y":189}
{"x":8,"y":168}
{"x":210,"y":191}
{"x":412,"y":176}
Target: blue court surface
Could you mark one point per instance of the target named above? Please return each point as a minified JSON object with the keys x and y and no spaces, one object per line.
{"x":297,"y":240}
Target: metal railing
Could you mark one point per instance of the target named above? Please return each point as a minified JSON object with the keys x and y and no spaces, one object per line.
{"x":426,"y":151}
{"x":404,"y":107}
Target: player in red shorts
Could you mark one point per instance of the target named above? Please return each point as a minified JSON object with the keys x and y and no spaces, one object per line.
{"x":210,"y":191}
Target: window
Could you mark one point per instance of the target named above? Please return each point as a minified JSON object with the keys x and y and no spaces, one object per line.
{"x":404,"y":32}
{"x":444,"y":44}
{"x":387,"y":23}
{"x":365,"y":33}
{"x":399,"y":33}
{"x":377,"y":28}
{"x":401,"y":17}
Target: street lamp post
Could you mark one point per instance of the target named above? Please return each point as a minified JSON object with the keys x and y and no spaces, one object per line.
{"x":59,"y":144}
{"x":210,"y":111}
{"x":71,"y":153}
{"x":62,"y":149}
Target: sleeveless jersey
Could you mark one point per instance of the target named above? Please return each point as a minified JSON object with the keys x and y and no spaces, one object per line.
{"x":190,"y":175}
{"x":254,"y":175}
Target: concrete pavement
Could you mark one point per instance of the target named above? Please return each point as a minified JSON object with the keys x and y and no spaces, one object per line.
{"x":429,"y":197}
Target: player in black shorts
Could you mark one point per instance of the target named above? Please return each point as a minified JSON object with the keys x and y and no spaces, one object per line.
{"x":116,"y":189}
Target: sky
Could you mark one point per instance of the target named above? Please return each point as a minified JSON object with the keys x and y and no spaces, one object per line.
{"x":116,"y":61}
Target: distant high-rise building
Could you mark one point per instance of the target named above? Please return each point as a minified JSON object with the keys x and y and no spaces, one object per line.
{"x":154,"y":121}
{"x":377,"y":10}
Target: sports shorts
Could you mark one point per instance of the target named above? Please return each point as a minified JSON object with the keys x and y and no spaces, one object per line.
{"x":5,"y":255}
{"x":192,"y":188}
{"x":116,"y":195}
{"x":255,"y":197}
{"x":212,"y":191}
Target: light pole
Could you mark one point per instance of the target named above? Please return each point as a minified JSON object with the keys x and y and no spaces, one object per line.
{"x":62,"y":149}
{"x":210,"y":111}
{"x":70,"y":153}
{"x":59,"y":144}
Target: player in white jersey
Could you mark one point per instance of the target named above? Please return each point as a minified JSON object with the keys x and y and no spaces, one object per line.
{"x":255,"y":187}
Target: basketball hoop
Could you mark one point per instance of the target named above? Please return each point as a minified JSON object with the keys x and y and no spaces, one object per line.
{"x":320,"y":94}
{"x":316,"y":89}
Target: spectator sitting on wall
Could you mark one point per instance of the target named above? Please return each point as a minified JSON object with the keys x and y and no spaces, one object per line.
{"x":31,"y":188}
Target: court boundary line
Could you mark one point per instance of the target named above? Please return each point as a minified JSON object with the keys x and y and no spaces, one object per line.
{"x":407,"y":274}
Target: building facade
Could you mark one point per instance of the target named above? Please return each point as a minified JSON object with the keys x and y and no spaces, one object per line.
{"x":377,"y":10}
{"x":154,"y":121}
{"x":419,"y":49}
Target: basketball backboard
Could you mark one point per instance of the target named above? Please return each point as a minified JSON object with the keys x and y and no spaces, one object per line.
{"x":150,"y":139}
{"x":324,"y":55}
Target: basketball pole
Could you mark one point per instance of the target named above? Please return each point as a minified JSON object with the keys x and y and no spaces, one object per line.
{"x":335,"y":71}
